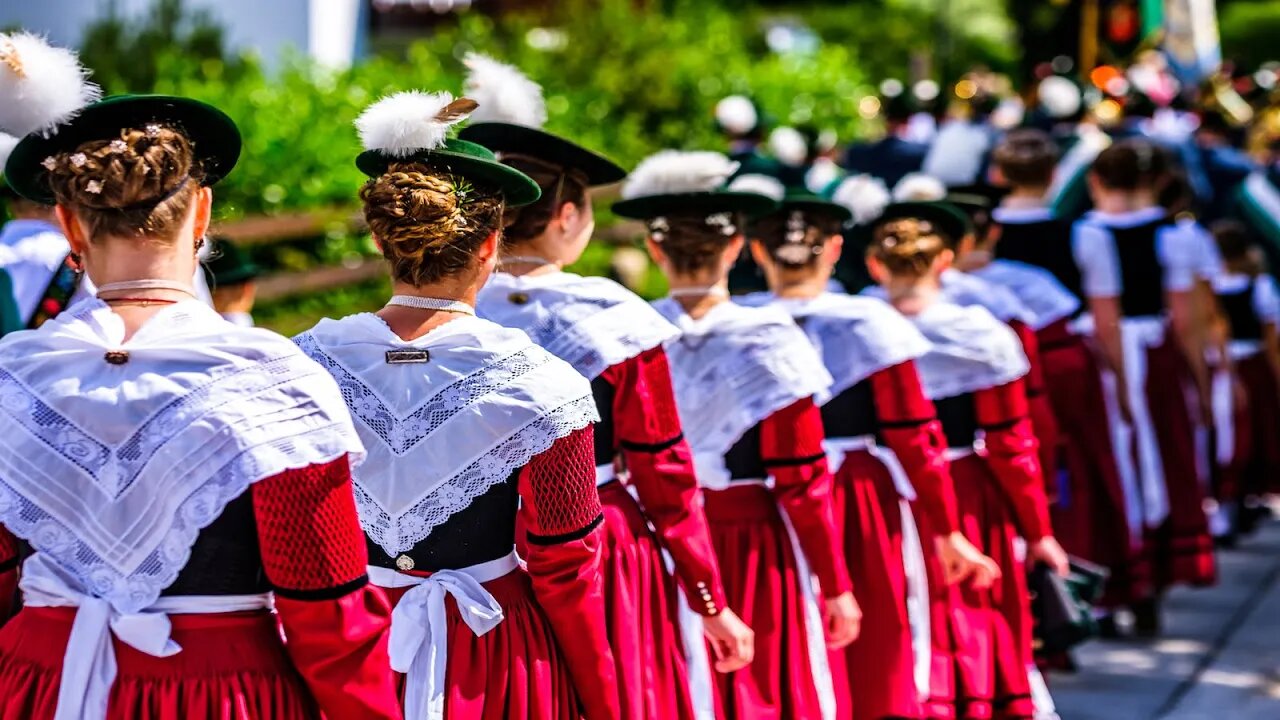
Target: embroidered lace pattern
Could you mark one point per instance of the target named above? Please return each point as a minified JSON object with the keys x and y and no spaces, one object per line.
{"x":256,"y":424}
{"x":449,"y":490}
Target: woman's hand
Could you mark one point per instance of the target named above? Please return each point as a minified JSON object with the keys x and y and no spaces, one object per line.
{"x":1048,"y":551}
{"x":843,"y":620}
{"x":732,"y":642}
{"x":961,"y":560}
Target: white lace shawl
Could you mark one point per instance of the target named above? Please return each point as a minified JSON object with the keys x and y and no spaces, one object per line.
{"x":1045,"y":299}
{"x":592,"y":323}
{"x":969,"y":350}
{"x":856,"y":336}
{"x":111,"y":471}
{"x":442,"y":432}
{"x":734,"y":367}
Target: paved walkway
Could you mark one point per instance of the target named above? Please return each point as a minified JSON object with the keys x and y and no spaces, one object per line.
{"x":1219,"y":658}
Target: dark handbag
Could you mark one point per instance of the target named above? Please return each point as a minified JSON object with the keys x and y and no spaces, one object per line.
{"x":1063,"y":606}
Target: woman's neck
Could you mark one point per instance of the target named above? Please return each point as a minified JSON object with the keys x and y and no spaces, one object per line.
{"x":534,"y":257}
{"x":115,"y":272}
{"x":698,"y":294}
{"x":911,"y":295}
{"x":803,"y":285}
{"x":1025,"y":197}
{"x":410,"y":323}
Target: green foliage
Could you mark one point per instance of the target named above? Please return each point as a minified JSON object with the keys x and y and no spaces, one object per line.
{"x":1249,"y":30}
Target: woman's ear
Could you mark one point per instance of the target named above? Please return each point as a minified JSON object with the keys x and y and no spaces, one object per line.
{"x":203,"y":212}
{"x":71,"y":229}
{"x":943,"y":261}
{"x":488,"y":250}
{"x":876,"y":270}
{"x":832,"y":250}
{"x":760,"y":254}
{"x":655,"y":252}
{"x":733,"y":250}
{"x":567,"y":216}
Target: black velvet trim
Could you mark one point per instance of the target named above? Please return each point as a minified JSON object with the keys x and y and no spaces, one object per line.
{"x":791,"y":462}
{"x":1004,"y":424}
{"x":545,"y":540}
{"x":909,"y":423}
{"x":331,"y":593}
{"x":651,"y":447}
{"x":10,"y":564}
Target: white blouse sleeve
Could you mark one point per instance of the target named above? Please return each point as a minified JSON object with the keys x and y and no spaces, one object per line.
{"x":1095,"y":254}
{"x":1266,"y":299}
{"x":1181,"y":255}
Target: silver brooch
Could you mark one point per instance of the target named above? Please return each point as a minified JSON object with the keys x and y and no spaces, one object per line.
{"x":723,"y":222}
{"x":796,"y":227}
{"x":658,"y":228}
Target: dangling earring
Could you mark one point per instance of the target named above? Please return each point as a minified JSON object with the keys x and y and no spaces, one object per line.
{"x":199,"y":244}
{"x":73,"y":259}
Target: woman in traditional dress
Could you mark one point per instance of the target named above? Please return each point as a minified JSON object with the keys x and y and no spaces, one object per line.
{"x":468,"y":424}
{"x":614,"y":339}
{"x":1138,"y":270}
{"x":974,"y":372}
{"x":745,"y":379}
{"x":877,"y":398}
{"x":170,"y":472}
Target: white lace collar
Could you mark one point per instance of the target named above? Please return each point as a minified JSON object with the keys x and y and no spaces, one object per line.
{"x":734,"y":367}
{"x":592,"y":323}
{"x":1044,"y":298}
{"x":112,"y":470}
{"x":856,"y":336}
{"x":969,"y":350}
{"x":473,"y":402}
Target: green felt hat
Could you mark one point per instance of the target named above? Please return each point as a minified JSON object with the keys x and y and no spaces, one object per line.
{"x":229,"y":264}
{"x":213,"y":136}
{"x":811,"y":204}
{"x":465,"y":159}
{"x":948,"y":218}
{"x":708,"y":203}
{"x":506,"y":139}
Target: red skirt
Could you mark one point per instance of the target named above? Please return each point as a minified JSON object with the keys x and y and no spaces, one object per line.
{"x":233,"y":666}
{"x":513,"y":672}
{"x":1181,"y":548}
{"x":1089,"y":515}
{"x":758,"y":567}
{"x":1262,"y":473}
{"x":878,"y":667}
{"x":641,"y":610}
{"x":982,"y":638}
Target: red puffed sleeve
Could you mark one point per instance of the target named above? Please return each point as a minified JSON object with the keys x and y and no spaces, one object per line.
{"x":1011,"y":451}
{"x":660,"y":467}
{"x":9,"y":560}
{"x":1043,"y":421}
{"x":791,"y":448}
{"x":910,"y":427}
{"x":335,"y":623}
{"x":561,"y":511}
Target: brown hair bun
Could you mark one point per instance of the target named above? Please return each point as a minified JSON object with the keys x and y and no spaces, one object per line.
{"x":907,"y":246}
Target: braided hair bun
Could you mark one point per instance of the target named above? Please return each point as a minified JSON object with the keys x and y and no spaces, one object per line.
{"x":908,"y":246}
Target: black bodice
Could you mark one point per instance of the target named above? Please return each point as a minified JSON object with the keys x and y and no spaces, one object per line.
{"x":852,"y":413}
{"x":1238,"y":306}
{"x":959,"y":420}
{"x":1141,"y":272}
{"x":604,"y":393}
{"x":1045,"y":244}
{"x":744,"y":460}
{"x":485,"y":530}
{"x":225,"y":559}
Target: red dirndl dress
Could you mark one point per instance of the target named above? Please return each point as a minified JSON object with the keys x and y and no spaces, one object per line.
{"x":1262,"y":474}
{"x":763,"y":577}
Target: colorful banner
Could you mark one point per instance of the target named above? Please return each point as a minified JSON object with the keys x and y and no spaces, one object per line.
{"x":1191,"y":39}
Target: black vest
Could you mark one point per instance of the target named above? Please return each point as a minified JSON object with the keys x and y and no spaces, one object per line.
{"x":1238,"y":306}
{"x":604,"y":392}
{"x":1045,"y":244}
{"x":852,"y":413}
{"x":744,"y":460}
{"x":1141,"y":272}
{"x":959,"y":420}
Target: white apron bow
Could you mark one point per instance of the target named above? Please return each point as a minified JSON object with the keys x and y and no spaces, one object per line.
{"x":89,"y":663}
{"x":419,"y":644}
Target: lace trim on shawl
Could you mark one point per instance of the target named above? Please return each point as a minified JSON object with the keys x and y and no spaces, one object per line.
{"x":263,"y":450}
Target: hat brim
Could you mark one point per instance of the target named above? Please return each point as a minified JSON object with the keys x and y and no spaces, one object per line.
{"x":951,"y":220}
{"x":517,"y":188}
{"x":817,"y":206}
{"x":213,"y":134}
{"x":510,"y":139}
{"x":707,"y":203}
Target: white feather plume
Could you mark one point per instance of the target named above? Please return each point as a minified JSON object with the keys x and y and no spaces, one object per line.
{"x":505,"y":94}
{"x":916,"y":186}
{"x":407,"y":122}
{"x":7,"y":144}
{"x":770,"y":187}
{"x":863,"y":195}
{"x":1059,"y":96}
{"x":736,"y":114}
{"x":676,"y":171}
{"x":788,"y":146}
{"x":41,"y":86}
